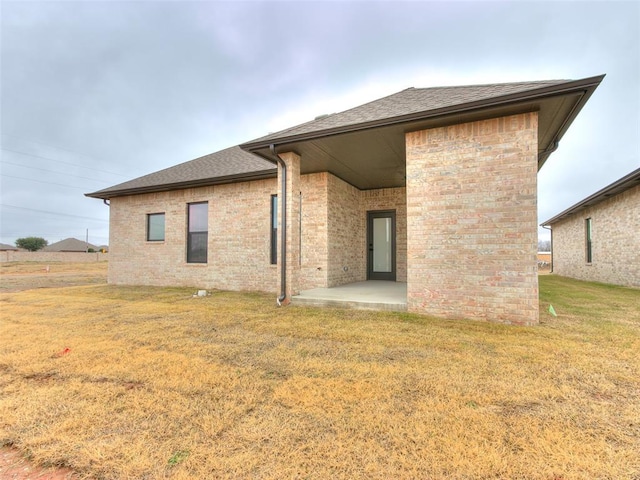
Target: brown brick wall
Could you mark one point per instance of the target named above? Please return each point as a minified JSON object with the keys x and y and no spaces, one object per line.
{"x":615,"y":226}
{"x":471,"y":220}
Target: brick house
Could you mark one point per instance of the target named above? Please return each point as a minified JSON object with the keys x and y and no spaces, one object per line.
{"x":70,"y":245}
{"x":597,"y":238}
{"x":434,"y":187}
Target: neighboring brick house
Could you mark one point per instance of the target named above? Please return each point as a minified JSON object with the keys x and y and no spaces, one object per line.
{"x":598,"y":239}
{"x":434,"y":187}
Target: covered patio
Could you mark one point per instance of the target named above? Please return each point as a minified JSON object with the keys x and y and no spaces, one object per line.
{"x":457,"y":166}
{"x":368,"y":295}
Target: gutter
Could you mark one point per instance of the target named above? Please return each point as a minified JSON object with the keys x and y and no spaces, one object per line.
{"x":205,"y":182}
{"x":583,"y":87}
{"x":568,"y":120}
{"x":283,"y":225}
{"x":619,"y":186}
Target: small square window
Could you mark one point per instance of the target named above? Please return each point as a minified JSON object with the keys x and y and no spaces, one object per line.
{"x":155,"y":227}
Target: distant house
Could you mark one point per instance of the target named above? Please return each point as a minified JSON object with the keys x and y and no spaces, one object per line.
{"x":8,"y":248}
{"x":70,"y":245}
{"x":432,"y":187}
{"x":598,"y":239}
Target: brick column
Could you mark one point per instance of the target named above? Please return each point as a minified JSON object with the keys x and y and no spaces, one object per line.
{"x":292,"y":161}
{"x":472,"y":220}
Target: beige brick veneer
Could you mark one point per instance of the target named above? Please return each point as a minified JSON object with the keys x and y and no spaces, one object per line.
{"x":238,"y":249}
{"x":471,"y":220}
{"x":347,"y":220}
{"x":331,"y":235}
{"x":334,"y":223}
{"x":615,"y":225}
{"x":293,"y":206}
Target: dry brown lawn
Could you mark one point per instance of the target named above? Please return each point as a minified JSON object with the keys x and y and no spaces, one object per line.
{"x":121,"y":382}
{"x":17,"y":276}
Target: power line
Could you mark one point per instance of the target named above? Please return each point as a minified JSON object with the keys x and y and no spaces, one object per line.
{"x":53,"y":213}
{"x":41,"y":181}
{"x":63,"y":149}
{"x":62,"y":161}
{"x":50,"y":171}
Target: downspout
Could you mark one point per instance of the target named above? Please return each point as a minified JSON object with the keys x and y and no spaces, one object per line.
{"x":551,"y":237}
{"x":283,"y":226}
{"x":545,"y":153}
{"x":106,"y":202}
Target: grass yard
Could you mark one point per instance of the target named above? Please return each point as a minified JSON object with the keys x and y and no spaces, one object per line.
{"x":17,"y":276}
{"x":121,"y":382}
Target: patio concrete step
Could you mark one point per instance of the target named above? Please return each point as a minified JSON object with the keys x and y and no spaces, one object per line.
{"x":318,"y":302}
{"x":370,"y":295}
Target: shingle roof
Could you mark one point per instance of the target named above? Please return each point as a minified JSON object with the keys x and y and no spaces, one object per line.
{"x":410,"y":105}
{"x":621,"y":185}
{"x":405,"y":103}
{"x":229,"y":163}
{"x":69,"y":245}
{"x":4,"y":247}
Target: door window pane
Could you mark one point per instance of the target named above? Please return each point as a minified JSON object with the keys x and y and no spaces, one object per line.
{"x":382,"y":247}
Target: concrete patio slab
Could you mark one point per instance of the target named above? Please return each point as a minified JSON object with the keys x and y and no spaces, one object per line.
{"x":370,"y":295}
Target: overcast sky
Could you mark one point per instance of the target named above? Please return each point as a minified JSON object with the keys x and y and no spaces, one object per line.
{"x":97,"y":93}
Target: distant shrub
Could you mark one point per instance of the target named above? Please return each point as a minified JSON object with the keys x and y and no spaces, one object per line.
{"x":33,"y":244}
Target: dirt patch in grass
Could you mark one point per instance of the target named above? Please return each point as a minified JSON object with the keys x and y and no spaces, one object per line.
{"x":18,"y":276}
{"x":144,"y":382}
{"x":13,"y":466}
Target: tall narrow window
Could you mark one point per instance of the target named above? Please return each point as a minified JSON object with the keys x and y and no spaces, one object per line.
{"x":155,"y":227}
{"x":274,"y":229}
{"x":197,"y":235}
{"x":587,"y":232}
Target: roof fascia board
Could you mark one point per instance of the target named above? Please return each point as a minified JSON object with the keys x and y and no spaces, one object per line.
{"x":620,"y":186}
{"x":577,"y":86}
{"x":259,"y":175}
{"x":587,"y":91}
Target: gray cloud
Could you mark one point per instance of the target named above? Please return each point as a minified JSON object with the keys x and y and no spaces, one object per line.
{"x":133,"y":87}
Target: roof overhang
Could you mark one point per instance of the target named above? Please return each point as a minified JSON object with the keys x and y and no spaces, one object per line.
{"x":625,"y":183}
{"x":203,"y":182}
{"x":372,"y":154}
